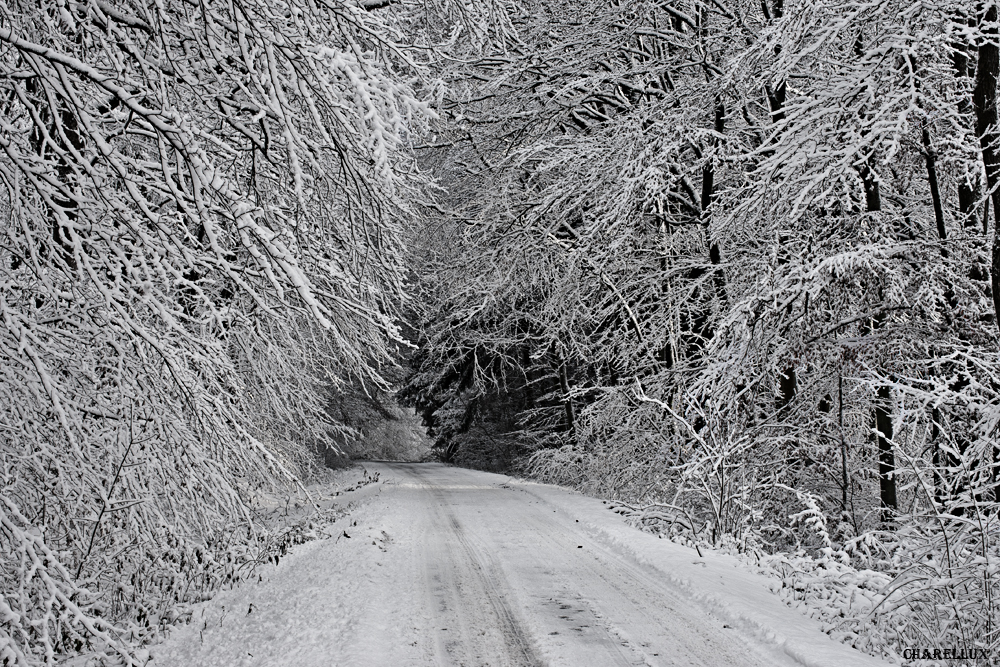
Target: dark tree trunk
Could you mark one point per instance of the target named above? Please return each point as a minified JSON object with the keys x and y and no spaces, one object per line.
{"x":883,"y":416}
{"x":567,"y":400}
{"x":787,"y":385}
{"x":873,"y":196}
{"x":844,"y":479}
{"x":939,"y":459}
{"x":886,"y":458}
{"x":788,"y":381}
{"x":984,"y":102}
{"x":932,"y":182}
{"x":960,"y":63}
{"x":707,"y":197}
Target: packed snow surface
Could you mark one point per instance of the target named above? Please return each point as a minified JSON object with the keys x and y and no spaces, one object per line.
{"x":444,"y":566}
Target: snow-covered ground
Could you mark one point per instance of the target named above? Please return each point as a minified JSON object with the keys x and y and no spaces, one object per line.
{"x":446,"y":566}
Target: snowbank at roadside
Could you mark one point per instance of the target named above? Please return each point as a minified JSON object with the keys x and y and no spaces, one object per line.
{"x":717,"y":582}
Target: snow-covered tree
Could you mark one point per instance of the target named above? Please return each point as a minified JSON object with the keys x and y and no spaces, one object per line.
{"x":201,"y":225}
{"x":741,"y":249}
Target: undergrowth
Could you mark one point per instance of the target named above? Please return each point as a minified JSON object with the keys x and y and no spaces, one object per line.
{"x":124,"y":606}
{"x":930,"y":584}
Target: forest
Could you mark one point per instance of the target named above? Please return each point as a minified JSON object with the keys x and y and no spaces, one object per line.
{"x":730,"y":264}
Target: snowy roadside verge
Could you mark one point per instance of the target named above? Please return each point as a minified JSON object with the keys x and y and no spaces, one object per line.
{"x":285,"y":524}
{"x":716,"y":582}
{"x":332,"y":601}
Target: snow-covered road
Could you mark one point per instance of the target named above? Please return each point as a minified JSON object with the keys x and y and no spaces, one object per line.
{"x":447,"y":566}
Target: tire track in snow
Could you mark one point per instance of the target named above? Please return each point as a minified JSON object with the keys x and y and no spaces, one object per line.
{"x":490,"y":580}
{"x":584,"y":602}
{"x":493,"y":583}
{"x":604,"y":642}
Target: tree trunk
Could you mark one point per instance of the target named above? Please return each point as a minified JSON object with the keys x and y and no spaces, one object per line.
{"x":844,"y":479}
{"x":707,"y":197}
{"x":883,"y":416}
{"x":787,"y":384}
{"x":932,"y":182}
{"x":984,"y":102}
{"x":567,"y":400}
{"x":886,"y":458}
{"x":960,"y":64}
